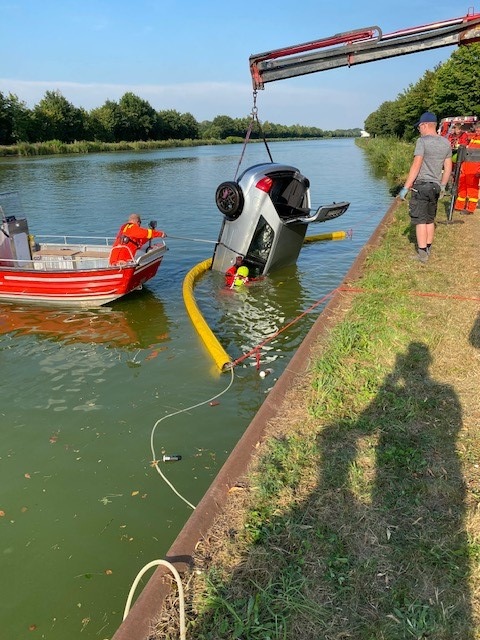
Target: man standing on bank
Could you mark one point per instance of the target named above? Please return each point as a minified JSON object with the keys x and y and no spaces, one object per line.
{"x":429,"y":173}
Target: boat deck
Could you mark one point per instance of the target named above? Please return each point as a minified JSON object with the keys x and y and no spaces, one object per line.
{"x":80,"y":257}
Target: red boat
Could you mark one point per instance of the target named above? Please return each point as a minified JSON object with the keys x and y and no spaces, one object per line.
{"x":63,"y":270}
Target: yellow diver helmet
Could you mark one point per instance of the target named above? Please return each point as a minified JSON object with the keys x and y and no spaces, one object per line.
{"x":241,"y":277}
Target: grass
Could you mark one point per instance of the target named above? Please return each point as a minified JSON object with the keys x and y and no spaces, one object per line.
{"x":359,"y":517}
{"x":389,"y":157}
{"x":55,"y":147}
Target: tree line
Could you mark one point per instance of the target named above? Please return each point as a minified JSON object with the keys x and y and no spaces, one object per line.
{"x":451,"y":89}
{"x":131,"y":119}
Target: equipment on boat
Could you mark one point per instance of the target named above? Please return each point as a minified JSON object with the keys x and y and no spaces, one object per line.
{"x":62,"y":270}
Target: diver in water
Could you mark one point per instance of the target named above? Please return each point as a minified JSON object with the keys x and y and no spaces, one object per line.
{"x":241,"y":277}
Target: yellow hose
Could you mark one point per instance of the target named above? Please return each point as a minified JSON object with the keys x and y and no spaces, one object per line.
{"x":218,"y":353}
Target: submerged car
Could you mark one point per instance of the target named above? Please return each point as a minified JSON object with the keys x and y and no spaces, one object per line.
{"x":265,"y":218}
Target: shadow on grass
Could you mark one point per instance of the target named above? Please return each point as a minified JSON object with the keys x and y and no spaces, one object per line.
{"x":396,"y":505}
{"x":378,"y":549}
{"x":475,"y":333}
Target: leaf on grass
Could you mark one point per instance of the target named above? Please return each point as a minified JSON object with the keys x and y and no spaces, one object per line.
{"x":108,"y":572}
{"x":27,"y":475}
{"x":2,"y":513}
{"x":135,"y":493}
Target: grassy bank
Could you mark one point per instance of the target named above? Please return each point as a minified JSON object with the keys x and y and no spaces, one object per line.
{"x":389,"y":157}
{"x":55,"y":147}
{"x":359,"y":518}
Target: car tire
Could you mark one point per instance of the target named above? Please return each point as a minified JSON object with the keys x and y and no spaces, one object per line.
{"x":229,"y":199}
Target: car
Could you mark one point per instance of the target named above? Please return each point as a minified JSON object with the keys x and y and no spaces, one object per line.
{"x":266,"y":213}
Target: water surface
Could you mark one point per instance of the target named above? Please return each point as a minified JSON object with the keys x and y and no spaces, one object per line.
{"x":83,"y":508}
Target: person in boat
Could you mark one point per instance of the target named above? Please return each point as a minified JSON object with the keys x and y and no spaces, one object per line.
{"x":230,"y":272}
{"x":131,"y":237}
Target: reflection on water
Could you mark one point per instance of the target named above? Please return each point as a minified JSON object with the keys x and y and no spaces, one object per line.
{"x":111,"y":327}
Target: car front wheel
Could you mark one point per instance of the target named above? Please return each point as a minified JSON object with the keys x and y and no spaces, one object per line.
{"x":229,"y":199}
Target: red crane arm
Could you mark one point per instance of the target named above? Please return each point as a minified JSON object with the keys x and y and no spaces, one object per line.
{"x":360,"y":46}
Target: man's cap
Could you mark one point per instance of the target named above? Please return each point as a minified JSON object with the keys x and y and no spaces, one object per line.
{"x":428,"y":116}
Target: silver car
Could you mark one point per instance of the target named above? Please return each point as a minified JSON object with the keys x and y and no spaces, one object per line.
{"x":265,"y":218}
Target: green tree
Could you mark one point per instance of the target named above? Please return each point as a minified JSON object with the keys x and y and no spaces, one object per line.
{"x":138,"y":119}
{"x":15,"y":120}
{"x":57,"y":119}
{"x":188,"y":126}
{"x":412,"y":103}
{"x":457,"y":90}
{"x":225,"y":125}
{"x":5,"y":121}
{"x":104,"y":122}
{"x":170,"y":125}
{"x":382,"y":121}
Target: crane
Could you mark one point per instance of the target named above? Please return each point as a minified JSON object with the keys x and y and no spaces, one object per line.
{"x":360,"y":46}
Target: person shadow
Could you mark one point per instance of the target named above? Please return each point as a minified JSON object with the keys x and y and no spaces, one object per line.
{"x":475,"y":333}
{"x":373,"y":544}
{"x":394,"y":545}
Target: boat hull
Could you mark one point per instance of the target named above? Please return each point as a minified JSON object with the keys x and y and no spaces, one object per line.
{"x":79,"y":287}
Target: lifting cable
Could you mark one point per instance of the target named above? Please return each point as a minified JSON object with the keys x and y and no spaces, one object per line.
{"x":254,"y":119}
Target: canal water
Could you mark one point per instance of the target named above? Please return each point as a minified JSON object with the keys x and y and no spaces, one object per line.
{"x":88,"y":394}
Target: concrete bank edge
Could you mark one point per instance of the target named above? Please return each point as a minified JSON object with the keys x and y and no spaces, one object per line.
{"x":147,"y":607}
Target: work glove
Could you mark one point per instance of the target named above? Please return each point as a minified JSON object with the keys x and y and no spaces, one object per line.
{"x":442,"y":191}
{"x":402,"y":194}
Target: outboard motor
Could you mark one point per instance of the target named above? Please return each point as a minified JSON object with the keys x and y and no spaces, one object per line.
{"x":266,"y":215}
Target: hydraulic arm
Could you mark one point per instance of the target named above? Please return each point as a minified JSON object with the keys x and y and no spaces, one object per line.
{"x":360,"y":46}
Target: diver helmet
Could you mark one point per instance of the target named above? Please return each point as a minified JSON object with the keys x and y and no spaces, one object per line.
{"x":241,"y":276}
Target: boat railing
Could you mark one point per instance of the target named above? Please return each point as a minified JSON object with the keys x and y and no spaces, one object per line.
{"x":46,"y":261}
{"x":75,"y":240}
{"x":61,"y":253}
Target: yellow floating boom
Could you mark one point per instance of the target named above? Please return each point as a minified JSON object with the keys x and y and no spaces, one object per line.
{"x":218,"y":353}
{"x":334,"y":235}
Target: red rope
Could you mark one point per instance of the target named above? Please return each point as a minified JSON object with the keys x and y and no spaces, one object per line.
{"x":256,"y":350}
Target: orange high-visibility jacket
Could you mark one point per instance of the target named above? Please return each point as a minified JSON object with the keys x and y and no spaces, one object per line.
{"x":468,"y":182}
{"x":130,"y":238}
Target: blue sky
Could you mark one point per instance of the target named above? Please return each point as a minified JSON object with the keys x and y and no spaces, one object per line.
{"x":192,"y":56}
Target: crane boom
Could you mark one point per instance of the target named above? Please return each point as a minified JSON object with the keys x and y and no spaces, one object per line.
{"x":360,"y":46}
